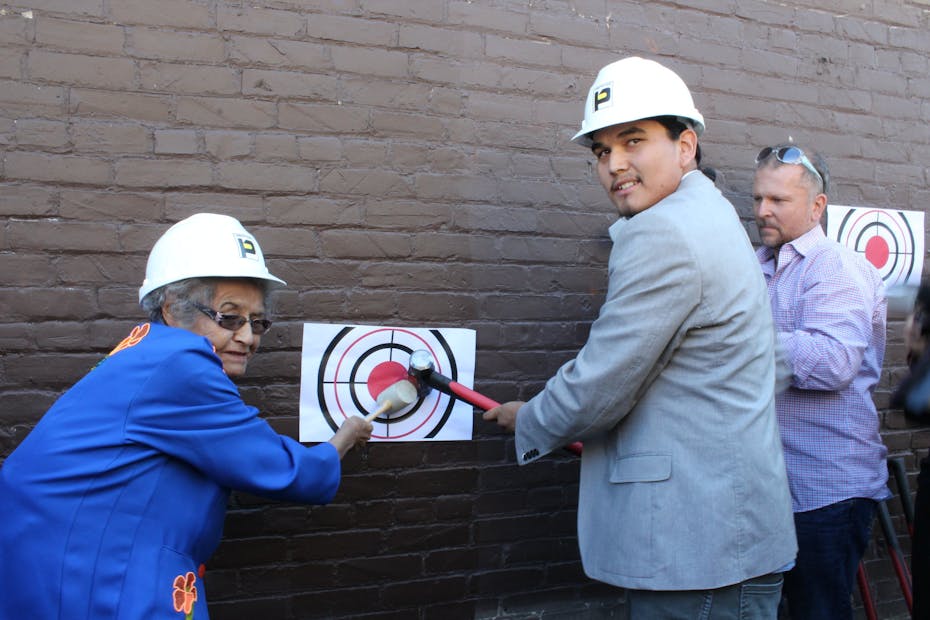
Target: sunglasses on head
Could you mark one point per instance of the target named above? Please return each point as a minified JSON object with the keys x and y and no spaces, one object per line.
{"x":788,"y":155}
{"x":234,"y":322}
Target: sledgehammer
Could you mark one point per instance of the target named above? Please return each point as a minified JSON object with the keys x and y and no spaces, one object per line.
{"x":423,"y":374}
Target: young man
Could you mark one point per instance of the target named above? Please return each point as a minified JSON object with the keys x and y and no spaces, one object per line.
{"x":829,"y":310}
{"x":683,"y":495}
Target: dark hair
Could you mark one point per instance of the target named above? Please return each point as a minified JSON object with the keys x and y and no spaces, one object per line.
{"x":674,"y":126}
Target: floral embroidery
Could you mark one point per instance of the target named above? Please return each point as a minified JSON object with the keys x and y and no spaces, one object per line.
{"x":185,"y":593}
{"x":135,"y":337}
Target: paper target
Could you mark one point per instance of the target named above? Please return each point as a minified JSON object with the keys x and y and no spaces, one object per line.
{"x":892,"y":241}
{"x":345,"y":367}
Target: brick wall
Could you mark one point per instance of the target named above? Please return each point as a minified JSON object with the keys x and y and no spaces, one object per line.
{"x":406,"y":162}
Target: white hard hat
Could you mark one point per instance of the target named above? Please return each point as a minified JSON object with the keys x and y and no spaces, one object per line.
{"x":632,"y":89}
{"x":202,"y":246}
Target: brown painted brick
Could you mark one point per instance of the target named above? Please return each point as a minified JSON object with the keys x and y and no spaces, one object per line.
{"x":430,"y":307}
{"x":466,"y":13}
{"x":418,"y":10}
{"x":142,"y":172}
{"x":189,"y":79}
{"x":381,"y":183}
{"x":257,"y":20}
{"x":436,"y":590}
{"x":377,"y":62}
{"x":279,"y":53}
{"x":423,"y":157}
{"x":273,"y":177}
{"x":335,"y":603}
{"x":79,"y":36}
{"x":320,"y":149}
{"x":52,"y":235}
{"x":11,"y":63}
{"x":16,"y":337}
{"x":26,"y":200}
{"x":164,"y":44}
{"x":455,"y":42}
{"x":323,"y":118}
{"x":397,"y":124}
{"x":289,"y":84}
{"x":245,"y":208}
{"x":88,"y":271}
{"x":22,"y":408}
{"x":43,"y":167}
{"x":384,"y":568}
{"x":524,"y":52}
{"x":312,"y":210}
{"x":369,"y":307}
{"x":181,"y":13}
{"x":103,"y":137}
{"x":365,"y":244}
{"x":352,"y":29}
{"x":15,"y":30}
{"x":314,"y":546}
{"x":100,"y":103}
{"x":80,"y":70}
{"x":226,"y":112}
{"x":365,"y":152}
{"x":436,"y":482}
{"x":17,"y":98}
{"x":23,"y":269}
{"x":407,"y":214}
{"x":48,"y":135}
{"x":82,"y":7}
{"x":177,"y":142}
{"x":228,"y":144}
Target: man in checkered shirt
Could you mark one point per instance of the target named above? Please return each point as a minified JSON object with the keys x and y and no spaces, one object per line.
{"x":829,"y":309}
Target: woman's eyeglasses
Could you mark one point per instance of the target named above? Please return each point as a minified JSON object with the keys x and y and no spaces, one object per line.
{"x":788,"y":155}
{"x":234,"y":322}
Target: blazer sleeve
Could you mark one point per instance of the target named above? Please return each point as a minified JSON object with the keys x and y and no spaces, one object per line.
{"x":189,"y":409}
{"x":654,"y":285}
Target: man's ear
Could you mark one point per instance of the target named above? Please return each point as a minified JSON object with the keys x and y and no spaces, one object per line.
{"x":820,"y":205}
{"x":687,"y":145}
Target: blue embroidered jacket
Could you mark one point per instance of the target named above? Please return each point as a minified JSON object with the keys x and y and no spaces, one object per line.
{"x":114,"y":500}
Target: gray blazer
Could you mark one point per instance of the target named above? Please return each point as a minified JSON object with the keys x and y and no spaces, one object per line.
{"x":683,"y":482}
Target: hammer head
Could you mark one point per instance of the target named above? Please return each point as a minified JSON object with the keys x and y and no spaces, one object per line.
{"x":420,"y":368}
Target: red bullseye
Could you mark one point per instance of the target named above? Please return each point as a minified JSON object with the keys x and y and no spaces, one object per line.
{"x":876,"y":251}
{"x":383,"y":376}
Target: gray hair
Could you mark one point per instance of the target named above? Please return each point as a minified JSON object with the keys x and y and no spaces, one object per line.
{"x":186,"y":295}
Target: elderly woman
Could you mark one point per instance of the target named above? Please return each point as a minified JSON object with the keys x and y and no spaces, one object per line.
{"x":116,"y":498}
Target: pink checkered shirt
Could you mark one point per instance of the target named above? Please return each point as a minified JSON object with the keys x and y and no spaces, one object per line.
{"x":829,"y":309}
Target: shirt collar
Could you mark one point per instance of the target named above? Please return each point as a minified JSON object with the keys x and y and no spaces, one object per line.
{"x":806,"y":242}
{"x":801,"y":245}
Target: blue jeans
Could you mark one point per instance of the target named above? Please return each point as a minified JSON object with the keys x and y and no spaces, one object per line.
{"x":753,"y":599}
{"x":831,"y":541}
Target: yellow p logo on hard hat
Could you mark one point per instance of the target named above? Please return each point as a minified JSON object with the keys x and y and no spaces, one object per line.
{"x":601,"y":97}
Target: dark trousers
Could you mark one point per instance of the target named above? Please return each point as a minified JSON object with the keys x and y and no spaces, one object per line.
{"x":920,"y":544}
{"x":831,"y":542}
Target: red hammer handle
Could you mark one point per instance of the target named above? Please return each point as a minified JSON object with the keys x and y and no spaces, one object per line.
{"x":472,"y":397}
{"x":483,"y":402}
